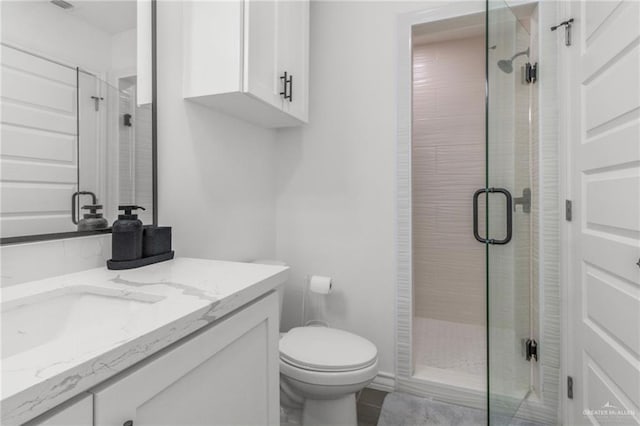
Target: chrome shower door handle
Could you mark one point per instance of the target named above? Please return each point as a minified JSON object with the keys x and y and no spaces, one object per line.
{"x":509,"y":203}
{"x":476,"y":234}
{"x":509,"y":199}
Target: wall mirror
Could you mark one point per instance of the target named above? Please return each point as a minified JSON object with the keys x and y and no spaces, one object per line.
{"x":77,"y":116}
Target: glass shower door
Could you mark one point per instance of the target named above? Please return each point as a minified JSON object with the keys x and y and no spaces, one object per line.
{"x":508,"y":199}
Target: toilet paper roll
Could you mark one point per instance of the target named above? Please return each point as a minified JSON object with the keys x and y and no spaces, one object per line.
{"x":319,"y":284}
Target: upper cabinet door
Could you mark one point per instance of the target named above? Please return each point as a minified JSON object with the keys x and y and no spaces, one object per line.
{"x":293,"y":54}
{"x":261,"y":51}
{"x":213,"y":47}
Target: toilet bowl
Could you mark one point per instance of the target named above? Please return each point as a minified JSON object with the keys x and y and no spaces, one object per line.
{"x":321,"y":369}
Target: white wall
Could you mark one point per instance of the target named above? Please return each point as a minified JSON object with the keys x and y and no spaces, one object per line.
{"x":217,"y":174}
{"x":60,"y":36}
{"x":123,"y":51}
{"x":336,"y":176}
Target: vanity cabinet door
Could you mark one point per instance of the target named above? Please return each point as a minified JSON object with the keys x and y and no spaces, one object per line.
{"x":78,"y":412}
{"x":225,"y":375}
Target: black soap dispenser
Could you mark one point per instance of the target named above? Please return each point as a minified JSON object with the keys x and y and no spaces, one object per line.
{"x":92,"y":220}
{"x":126,"y":239}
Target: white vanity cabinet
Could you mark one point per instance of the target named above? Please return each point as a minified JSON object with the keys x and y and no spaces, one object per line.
{"x":237,"y":53}
{"x":77,"y":412}
{"x":227,"y":374}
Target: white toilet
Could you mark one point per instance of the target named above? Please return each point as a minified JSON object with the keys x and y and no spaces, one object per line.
{"x":321,"y":369}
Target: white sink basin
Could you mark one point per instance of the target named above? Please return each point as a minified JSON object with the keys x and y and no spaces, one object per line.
{"x":73,"y":313}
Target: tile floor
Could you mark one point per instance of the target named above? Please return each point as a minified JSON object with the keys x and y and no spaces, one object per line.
{"x":369,"y":406}
{"x":402,"y":409}
{"x":450,"y":346}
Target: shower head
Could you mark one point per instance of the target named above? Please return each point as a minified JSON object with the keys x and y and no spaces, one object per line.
{"x":506,"y":65}
{"x":62,"y":3}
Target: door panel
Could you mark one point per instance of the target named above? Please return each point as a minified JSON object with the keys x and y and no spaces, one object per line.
{"x":293,"y":54}
{"x":77,"y":412}
{"x":509,"y":165}
{"x":261,"y":50}
{"x":604,"y":279}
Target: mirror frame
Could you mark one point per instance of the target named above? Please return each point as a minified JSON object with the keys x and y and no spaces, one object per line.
{"x":154,"y":155}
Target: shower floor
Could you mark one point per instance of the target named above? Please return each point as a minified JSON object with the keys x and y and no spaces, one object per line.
{"x":449,"y":352}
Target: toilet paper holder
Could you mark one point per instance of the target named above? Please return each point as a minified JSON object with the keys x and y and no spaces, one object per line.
{"x":316,"y":284}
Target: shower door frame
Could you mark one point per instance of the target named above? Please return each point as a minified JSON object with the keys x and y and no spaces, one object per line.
{"x":405,"y":380}
{"x":543,"y":406}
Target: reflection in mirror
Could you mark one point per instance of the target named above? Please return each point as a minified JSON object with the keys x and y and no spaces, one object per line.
{"x":76,"y":114}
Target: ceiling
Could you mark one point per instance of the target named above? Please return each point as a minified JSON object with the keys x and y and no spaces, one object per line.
{"x":112,"y":16}
{"x":472,"y":25}
{"x":449,"y":29}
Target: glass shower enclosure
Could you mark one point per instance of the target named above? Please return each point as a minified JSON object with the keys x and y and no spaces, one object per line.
{"x":472,"y":241}
{"x":510,"y":205}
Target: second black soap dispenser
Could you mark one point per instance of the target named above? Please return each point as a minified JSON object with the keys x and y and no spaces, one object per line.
{"x":92,"y":220}
{"x":126,"y":238}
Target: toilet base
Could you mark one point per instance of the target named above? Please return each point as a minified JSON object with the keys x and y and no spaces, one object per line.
{"x":330,"y":412}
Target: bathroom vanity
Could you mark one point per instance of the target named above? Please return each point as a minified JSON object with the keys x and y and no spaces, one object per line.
{"x":188,"y":341}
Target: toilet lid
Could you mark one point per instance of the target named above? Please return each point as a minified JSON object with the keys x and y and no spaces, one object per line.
{"x":326,"y":349}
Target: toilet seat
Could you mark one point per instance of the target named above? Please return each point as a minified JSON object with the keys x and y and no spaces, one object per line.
{"x":327,"y":356}
{"x":321,"y":378}
{"x":324,"y":349}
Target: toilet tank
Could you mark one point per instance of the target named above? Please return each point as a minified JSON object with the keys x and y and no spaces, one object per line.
{"x":280,"y":288}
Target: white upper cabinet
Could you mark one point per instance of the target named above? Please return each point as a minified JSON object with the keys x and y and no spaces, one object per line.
{"x":237,"y":53}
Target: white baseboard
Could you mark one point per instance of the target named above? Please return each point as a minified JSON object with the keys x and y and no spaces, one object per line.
{"x":384,"y":382}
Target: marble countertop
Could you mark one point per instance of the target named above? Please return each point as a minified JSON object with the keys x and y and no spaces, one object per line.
{"x":168,"y":301}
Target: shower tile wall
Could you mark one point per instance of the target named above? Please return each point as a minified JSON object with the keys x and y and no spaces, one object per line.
{"x":448,"y":151}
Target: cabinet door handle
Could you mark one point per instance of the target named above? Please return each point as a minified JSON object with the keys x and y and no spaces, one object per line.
{"x":287,"y":82}
{"x":283,"y":78}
